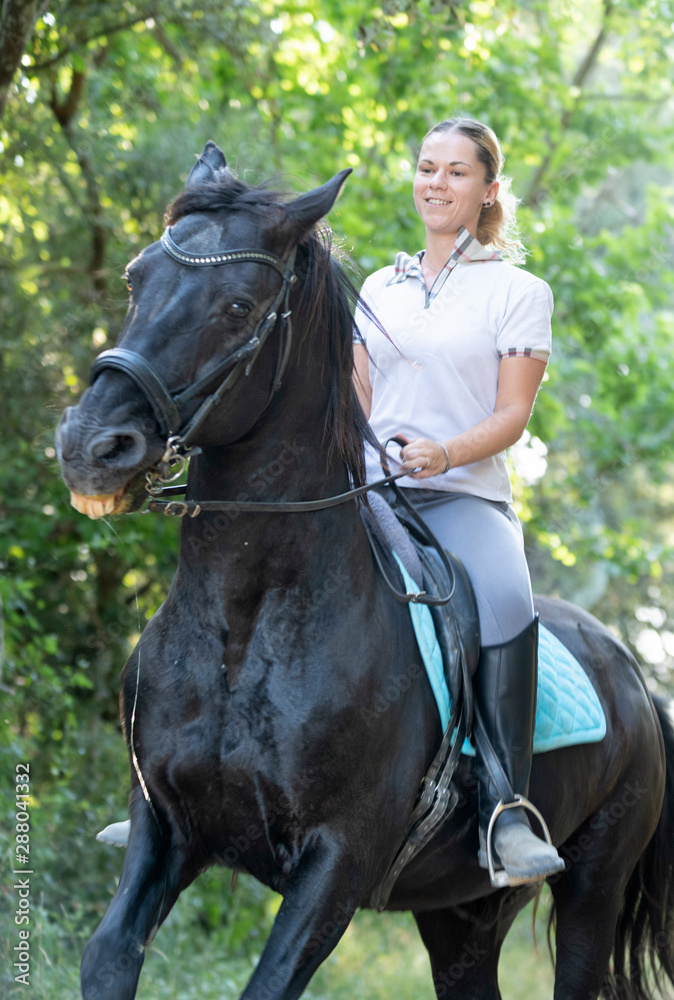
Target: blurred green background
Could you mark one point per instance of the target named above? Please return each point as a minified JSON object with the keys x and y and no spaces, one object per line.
{"x":103,"y":107}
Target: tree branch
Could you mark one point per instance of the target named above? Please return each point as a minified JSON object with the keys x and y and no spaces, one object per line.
{"x":65,"y":110}
{"x":634,"y":98}
{"x":167,"y":45}
{"x":536,"y":191}
{"x":95,"y":218}
{"x":103,"y":31}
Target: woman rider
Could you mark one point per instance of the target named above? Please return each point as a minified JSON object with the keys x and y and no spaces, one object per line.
{"x":469,"y":343}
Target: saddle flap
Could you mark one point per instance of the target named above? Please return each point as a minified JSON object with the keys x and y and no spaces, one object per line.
{"x":446,"y":589}
{"x":457,"y":623}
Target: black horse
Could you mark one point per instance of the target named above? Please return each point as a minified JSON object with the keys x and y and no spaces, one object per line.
{"x":242,"y":704}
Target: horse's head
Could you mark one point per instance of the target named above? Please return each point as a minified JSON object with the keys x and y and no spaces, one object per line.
{"x":206,"y":302}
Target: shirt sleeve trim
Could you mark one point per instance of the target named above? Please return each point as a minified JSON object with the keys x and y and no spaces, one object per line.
{"x":526,"y":352}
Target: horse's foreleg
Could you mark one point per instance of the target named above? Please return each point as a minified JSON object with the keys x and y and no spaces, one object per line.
{"x":148,"y":888}
{"x":317,"y":907}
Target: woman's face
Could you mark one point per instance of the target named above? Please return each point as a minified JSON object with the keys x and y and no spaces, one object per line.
{"x":450,"y":185}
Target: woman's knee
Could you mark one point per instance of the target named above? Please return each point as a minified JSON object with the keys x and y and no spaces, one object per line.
{"x":505,"y":613}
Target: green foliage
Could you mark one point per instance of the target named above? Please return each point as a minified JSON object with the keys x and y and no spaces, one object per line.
{"x":106,"y":110}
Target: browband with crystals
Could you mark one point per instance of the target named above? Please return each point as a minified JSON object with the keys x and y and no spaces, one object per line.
{"x":227,"y":257}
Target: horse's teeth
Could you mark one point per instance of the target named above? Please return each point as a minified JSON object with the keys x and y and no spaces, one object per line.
{"x":98,"y":505}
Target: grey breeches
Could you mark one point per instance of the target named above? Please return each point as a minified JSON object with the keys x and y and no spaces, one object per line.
{"x":486,"y":535}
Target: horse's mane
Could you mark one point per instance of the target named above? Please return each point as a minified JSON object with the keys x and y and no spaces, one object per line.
{"x":327,"y":299}
{"x":228,"y":193}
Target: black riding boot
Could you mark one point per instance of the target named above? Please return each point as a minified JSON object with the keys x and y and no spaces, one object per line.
{"x":505,"y":695}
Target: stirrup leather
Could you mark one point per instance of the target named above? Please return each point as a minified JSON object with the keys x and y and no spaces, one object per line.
{"x":498,"y":876}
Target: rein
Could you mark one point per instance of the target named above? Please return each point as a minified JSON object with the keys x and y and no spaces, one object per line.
{"x":167,"y":408}
{"x":192,"y":508}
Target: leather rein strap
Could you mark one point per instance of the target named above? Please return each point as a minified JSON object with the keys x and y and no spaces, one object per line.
{"x":192,"y":508}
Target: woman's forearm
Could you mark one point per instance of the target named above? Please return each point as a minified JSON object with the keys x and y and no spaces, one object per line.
{"x":488,"y":438}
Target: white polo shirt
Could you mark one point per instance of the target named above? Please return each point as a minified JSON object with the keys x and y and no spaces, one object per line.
{"x":438,"y":374}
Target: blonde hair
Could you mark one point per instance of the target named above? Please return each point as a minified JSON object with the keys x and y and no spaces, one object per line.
{"x":497,"y":224}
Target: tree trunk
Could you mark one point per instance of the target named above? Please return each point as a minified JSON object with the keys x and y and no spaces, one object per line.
{"x":17,"y":20}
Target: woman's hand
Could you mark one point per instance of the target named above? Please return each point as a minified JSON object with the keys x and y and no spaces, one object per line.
{"x":430,"y":457}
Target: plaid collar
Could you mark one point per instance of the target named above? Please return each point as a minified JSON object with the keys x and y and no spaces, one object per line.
{"x":467,"y":250}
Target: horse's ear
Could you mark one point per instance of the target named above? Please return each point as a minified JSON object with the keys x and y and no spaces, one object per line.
{"x":305,"y":211}
{"x":211,"y":166}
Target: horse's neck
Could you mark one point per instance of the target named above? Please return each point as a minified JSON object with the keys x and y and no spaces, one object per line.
{"x":244,"y":571}
{"x":278,"y":464}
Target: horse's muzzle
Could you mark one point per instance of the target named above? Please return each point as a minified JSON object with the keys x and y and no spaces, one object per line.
{"x":102,"y":466}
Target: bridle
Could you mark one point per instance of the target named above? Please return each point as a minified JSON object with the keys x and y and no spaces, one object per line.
{"x":167,"y":408}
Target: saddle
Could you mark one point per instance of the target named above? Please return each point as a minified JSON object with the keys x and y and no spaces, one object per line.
{"x":445,"y":587}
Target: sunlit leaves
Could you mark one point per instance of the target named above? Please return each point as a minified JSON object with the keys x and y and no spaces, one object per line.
{"x":299,"y":90}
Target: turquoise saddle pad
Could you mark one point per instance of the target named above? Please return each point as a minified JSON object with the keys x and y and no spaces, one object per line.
{"x":568,"y":710}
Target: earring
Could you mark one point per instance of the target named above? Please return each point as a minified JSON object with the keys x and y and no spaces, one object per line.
{"x":486,"y":204}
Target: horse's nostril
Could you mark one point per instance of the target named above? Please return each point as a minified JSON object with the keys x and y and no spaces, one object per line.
{"x":118,"y":448}
{"x":111,"y":449}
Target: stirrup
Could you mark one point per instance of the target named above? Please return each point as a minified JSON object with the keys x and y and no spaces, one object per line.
{"x":498,"y":876}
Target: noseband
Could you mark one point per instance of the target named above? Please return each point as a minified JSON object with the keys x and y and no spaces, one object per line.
{"x":168,"y":408}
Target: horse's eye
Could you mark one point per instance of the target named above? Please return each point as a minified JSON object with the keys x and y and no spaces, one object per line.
{"x":238,"y":309}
